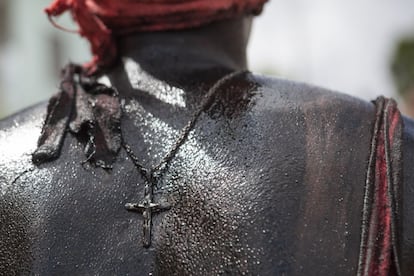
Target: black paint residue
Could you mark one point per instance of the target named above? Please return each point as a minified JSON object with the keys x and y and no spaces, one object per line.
{"x":15,"y":242}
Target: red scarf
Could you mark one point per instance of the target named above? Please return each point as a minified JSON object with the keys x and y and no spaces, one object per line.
{"x":100,"y":20}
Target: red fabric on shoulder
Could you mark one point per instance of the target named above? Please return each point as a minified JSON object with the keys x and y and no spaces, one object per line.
{"x":380,"y":226}
{"x":100,"y":20}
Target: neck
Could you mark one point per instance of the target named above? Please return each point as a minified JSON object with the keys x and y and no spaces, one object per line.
{"x":222,"y":44}
{"x":158,"y":65}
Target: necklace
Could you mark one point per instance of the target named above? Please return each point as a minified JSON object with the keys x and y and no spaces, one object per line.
{"x":147,"y":207}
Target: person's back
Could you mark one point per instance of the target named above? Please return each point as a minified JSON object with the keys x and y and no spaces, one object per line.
{"x":228,"y":172}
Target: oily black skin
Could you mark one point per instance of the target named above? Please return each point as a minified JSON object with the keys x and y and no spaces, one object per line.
{"x":270,"y":181}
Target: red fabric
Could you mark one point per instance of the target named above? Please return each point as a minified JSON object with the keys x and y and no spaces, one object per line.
{"x":379,"y":256}
{"x":100,"y":20}
{"x":380,"y":230}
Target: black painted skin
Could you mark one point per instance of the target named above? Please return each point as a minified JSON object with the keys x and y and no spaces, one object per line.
{"x":270,"y":181}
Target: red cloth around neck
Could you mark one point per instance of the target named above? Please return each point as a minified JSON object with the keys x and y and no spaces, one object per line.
{"x":100,"y":20}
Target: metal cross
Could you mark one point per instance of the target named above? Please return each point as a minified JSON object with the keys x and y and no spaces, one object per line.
{"x":147,"y":208}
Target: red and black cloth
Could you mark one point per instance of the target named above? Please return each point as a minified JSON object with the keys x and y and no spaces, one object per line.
{"x":379,"y":254}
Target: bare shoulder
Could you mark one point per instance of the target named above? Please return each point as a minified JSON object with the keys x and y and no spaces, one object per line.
{"x":278,"y":93}
{"x":271,"y":100}
{"x":18,"y":138}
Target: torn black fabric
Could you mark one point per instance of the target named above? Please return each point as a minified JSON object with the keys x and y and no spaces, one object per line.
{"x":90,"y":111}
{"x":97,"y":123}
{"x":59,"y":112}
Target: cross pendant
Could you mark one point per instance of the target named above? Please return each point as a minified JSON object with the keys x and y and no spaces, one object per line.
{"x":147,"y":208}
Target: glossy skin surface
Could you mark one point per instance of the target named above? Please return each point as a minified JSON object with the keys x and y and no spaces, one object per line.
{"x":270,"y":181}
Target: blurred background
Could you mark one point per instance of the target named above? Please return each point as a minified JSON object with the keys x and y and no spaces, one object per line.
{"x":364,"y":48}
